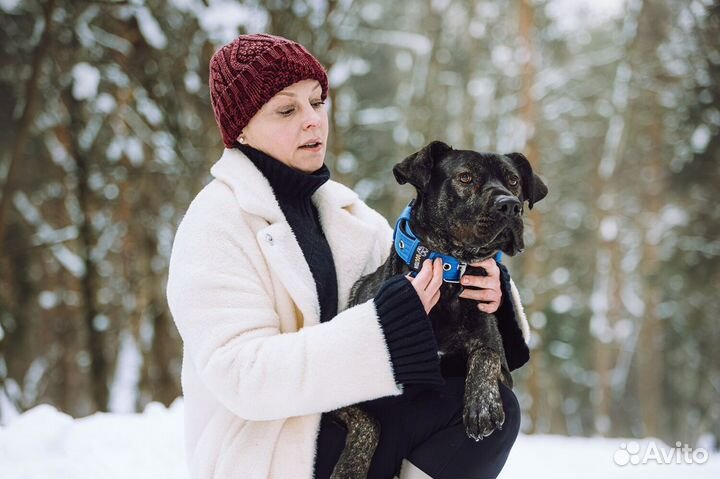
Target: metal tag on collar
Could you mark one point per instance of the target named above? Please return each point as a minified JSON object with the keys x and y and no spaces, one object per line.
{"x":462,"y":267}
{"x":450,"y":274}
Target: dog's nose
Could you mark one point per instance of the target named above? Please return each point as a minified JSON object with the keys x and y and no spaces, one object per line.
{"x":508,"y":205}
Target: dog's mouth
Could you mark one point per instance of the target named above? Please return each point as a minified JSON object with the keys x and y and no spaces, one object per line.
{"x":481,"y":244}
{"x":510,"y":240}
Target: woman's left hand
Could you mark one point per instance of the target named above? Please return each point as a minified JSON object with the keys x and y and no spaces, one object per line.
{"x":488,"y":295}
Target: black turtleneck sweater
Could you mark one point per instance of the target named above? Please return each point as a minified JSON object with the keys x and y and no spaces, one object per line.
{"x":293,"y":190}
{"x":406,"y":327}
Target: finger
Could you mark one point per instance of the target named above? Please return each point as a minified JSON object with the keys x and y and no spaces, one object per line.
{"x":484,"y":282}
{"x":481,"y":295}
{"x":423,"y":277}
{"x":468,"y":294}
{"x":483,"y":263}
{"x":492,"y":267}
{"x":489,"y":265}
{"x":488,"y":307}
{"x":437,"y":277}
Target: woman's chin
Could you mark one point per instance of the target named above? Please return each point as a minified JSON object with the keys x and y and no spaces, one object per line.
{"x":311,"y":161}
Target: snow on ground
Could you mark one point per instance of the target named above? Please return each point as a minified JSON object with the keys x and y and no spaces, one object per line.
{"x":44,"y":443}
{"x":560,"y":457}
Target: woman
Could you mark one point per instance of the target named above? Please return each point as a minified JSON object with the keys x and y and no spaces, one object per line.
{"x":260,"y":273}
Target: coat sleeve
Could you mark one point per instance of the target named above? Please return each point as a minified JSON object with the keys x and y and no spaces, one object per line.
{"x":231,"y":335}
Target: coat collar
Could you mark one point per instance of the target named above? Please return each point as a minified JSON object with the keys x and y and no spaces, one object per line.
{"x":254,"y":193}
{"x":347,"y":235}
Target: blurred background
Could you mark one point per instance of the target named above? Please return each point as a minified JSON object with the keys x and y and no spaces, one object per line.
{"x":106,"y":135}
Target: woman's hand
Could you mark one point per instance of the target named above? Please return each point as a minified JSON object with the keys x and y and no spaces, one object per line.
{"x":428,"y":281}
{"x":489,"y":295}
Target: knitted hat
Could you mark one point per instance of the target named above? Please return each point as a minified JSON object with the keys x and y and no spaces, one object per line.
{"x":247,"y":72}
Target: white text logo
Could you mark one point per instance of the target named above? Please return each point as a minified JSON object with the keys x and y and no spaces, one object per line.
{"x":631,"y":453}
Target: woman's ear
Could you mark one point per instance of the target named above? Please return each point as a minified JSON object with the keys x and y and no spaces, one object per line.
{"x":416,"y":168}
{"x":533,"y":188}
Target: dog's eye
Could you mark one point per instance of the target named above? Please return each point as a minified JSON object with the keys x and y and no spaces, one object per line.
{"x":465,"y":178}
{"x":513,"y":181}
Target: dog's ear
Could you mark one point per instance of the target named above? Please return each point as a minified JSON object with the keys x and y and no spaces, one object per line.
{"x":533,"y":188}
{"x":416,"y":168}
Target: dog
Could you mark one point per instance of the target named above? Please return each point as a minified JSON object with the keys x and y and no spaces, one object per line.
{"x":469,"y":207}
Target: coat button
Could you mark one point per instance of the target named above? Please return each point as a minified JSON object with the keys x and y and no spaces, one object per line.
{"x":269,"y":238}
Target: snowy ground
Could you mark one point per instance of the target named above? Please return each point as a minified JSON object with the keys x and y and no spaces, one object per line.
{"x":44,"y":443}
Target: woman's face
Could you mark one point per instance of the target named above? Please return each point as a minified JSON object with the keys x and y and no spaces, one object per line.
{"x":292,"y":127}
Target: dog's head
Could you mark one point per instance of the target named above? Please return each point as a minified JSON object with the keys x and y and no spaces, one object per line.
{"x":469,"y":204}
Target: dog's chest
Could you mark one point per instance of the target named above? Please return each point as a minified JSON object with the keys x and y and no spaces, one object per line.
{"x":457,"y":323}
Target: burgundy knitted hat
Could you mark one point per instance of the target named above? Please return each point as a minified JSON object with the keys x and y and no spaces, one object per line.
{"x":247,"y":72}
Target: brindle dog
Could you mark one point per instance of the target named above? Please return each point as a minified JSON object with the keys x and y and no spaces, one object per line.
{"x":468,"y":205}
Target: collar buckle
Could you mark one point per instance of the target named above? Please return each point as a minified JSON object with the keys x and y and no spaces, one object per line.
{"x":462,"y":267}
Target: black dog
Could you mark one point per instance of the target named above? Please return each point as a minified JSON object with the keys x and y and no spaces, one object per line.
{"x":469,"y":206}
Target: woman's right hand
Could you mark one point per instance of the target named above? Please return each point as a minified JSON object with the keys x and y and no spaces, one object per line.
{"x":427,"y":283}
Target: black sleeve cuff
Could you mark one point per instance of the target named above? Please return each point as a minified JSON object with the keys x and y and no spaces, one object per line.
{"x":517,"y":352}
{"x":408,"y":333}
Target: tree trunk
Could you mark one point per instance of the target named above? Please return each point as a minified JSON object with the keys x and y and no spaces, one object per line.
{"x":530,"y":270}
{"x":32,"y":96}
{"x":99,"y":371}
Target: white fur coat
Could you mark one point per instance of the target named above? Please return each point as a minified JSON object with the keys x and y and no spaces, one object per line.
{"x":258,"y":367}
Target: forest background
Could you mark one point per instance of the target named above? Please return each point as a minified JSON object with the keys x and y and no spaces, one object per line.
{"x":106,"y":134}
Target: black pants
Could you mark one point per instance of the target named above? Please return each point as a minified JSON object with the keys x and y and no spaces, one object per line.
{"x":425,"y":426}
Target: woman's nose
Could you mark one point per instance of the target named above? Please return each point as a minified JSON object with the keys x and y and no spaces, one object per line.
{"x":311,"y":118}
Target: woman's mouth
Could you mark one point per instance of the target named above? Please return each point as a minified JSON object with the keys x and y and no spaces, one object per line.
{"x":312,"y":146}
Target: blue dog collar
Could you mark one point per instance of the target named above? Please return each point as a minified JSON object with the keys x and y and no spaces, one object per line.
{"x":413,"y":253}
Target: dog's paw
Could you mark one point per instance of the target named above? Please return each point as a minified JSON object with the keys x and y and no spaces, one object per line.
{"x":483,"y":411}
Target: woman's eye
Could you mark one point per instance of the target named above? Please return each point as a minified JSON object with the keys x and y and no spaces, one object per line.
{"x":465,"y":178}
{"x":286,"y":112}
{"x":318,"y":104}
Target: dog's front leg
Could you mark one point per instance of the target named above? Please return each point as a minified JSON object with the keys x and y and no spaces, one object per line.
{"x":483,"y":410}
{"x":363,"y":434}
